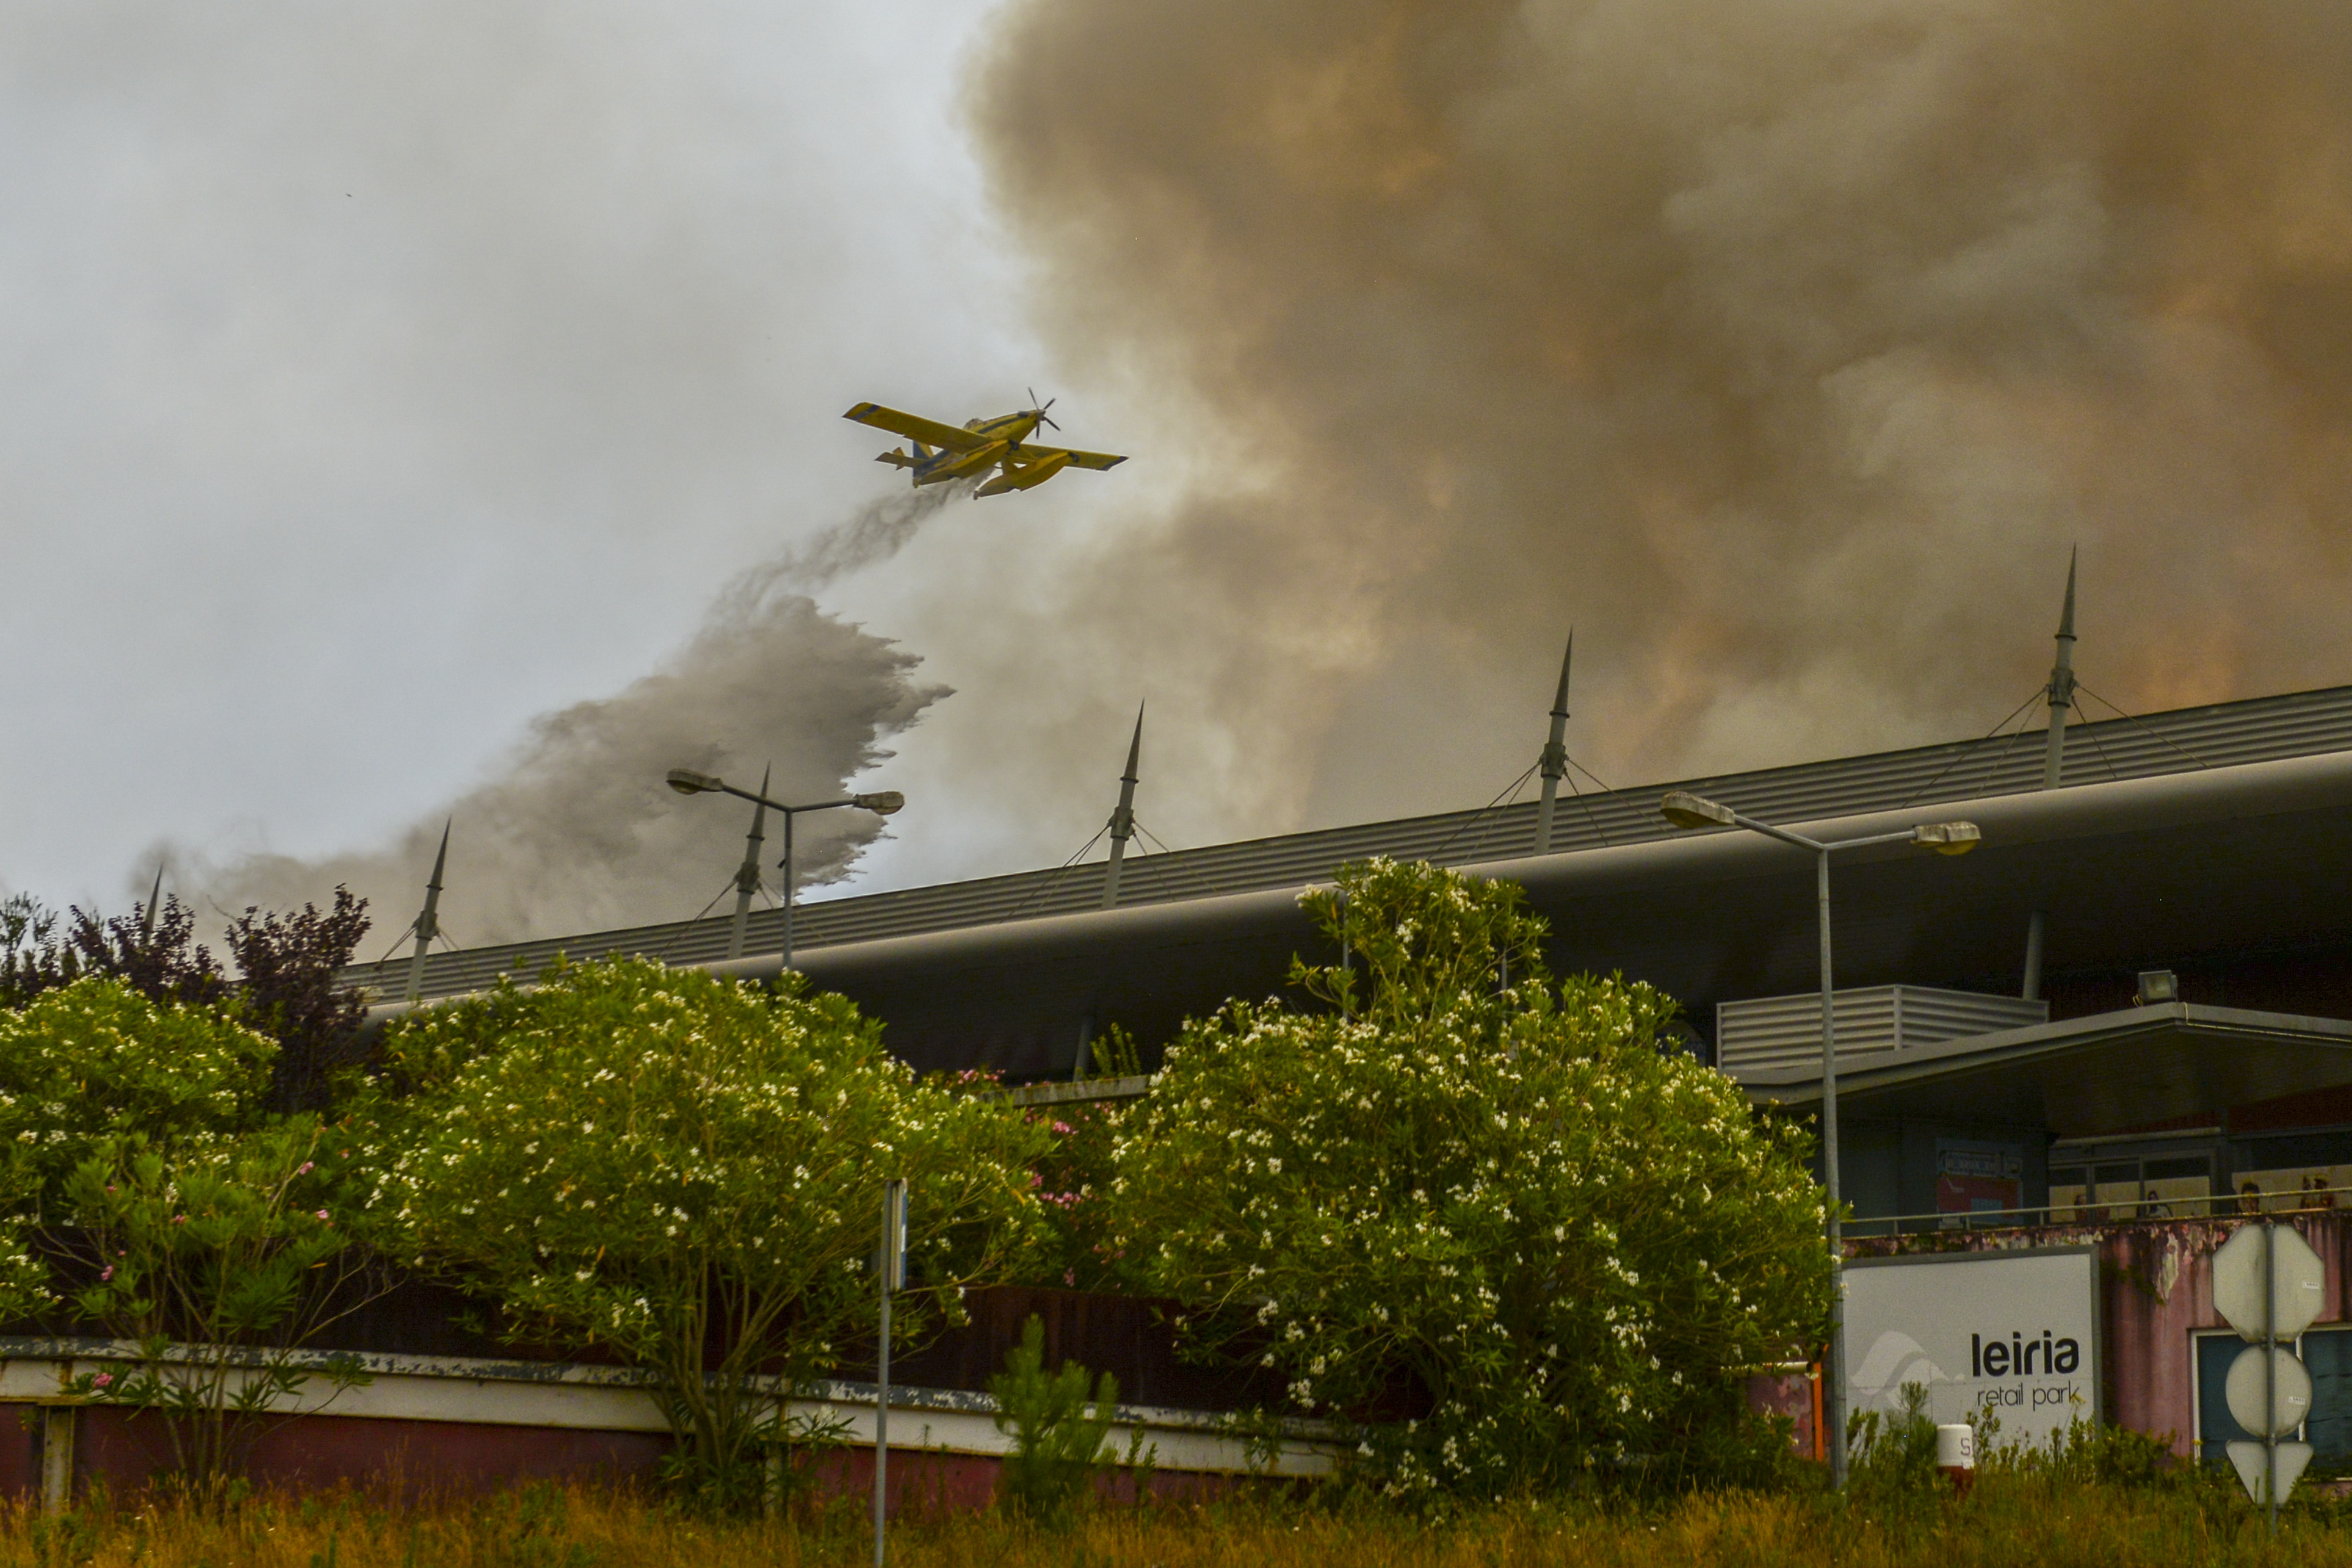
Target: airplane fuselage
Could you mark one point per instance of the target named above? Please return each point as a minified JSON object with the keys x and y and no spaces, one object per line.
{"x":937,"y":453}
{"x":1005,"y":433}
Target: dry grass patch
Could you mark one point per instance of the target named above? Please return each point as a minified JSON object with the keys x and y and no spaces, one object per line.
{"x":2005,"y":1524}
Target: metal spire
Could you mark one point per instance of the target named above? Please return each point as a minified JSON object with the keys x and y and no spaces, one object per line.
{"x":154,"y":898}
{"x":1122,"y":819}
{"x":1555,"y":752}
{"x":746,"y":875}
{"x":2062,"y":686}
{"x":429,"y":920}
{"x":2053,"y":767}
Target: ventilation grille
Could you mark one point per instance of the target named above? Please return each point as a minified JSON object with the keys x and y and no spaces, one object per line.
{"x":1765,"y":1033}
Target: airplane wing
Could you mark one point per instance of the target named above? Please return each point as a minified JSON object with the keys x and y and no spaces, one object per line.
{"x":916,"y":428}
{"x":1078,"y":459}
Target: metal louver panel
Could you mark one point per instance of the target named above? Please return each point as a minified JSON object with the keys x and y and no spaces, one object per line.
{"x":1762,"y":1033}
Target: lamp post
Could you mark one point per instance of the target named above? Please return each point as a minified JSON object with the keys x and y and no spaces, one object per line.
{"x":882,"y":803}
{"x":1684,"y":809}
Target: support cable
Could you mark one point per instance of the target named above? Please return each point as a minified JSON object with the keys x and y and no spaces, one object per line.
{"x":1591,"y":819}
{"x":1471,"y":819}
{"x":1046,"y":881}
{"x":1967,"y":749}
{"x":2144,"y":725}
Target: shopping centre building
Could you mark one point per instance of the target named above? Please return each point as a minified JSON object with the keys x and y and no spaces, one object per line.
{"x":2127,"y":1012}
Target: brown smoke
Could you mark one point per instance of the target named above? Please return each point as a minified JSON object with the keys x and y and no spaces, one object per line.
{"x":576,"y":832}
{"x":1782,"y":349}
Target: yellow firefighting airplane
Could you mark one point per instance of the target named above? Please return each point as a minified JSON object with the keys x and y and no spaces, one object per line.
{"x":943,"y":453}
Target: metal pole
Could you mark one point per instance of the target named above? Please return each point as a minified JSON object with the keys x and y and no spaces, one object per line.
{"x":2037,"y":926}
{"x":428,"y":923}
{"x":2061,"y":688}
{"x":746,"y":875}
{"x":890,"y":1259}
{"x":2269,"y":1372}
{"x":882,"y":1413}
{"x":1122,"y":819}
{"x":1835,"y":1380}
{"x":1555,"y":754}
{"x":788,"y":887}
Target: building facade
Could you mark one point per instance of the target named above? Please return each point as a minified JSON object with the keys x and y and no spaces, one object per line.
{"x":2127,"y":1015}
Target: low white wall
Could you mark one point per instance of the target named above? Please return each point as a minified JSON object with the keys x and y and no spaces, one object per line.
{"x":615,"y":1399}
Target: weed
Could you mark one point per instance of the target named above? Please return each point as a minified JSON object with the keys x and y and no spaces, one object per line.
{"x":1057,"y":1442}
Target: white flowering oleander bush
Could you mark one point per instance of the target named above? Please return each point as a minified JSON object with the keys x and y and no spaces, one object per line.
{"x":689,"y":1171}
{"x":93,"y":1061}
{"x":1461,"y":1187}
{"x":217,"y":1259}
{"x":151,"y":1196}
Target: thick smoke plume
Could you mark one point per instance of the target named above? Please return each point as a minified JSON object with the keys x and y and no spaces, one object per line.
{"x":577,"y":831}
{"x":1782,"y":349}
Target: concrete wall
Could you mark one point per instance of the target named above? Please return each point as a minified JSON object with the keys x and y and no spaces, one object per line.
{"x":448,"y":1423}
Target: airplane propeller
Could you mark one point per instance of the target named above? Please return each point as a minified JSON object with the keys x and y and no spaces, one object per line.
{"x":1040,"y":411}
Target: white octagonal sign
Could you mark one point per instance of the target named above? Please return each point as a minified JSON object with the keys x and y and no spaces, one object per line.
{"x":2298,"y":1282}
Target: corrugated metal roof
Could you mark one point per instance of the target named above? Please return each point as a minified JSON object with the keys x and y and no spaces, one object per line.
{"x":2259,"y":729}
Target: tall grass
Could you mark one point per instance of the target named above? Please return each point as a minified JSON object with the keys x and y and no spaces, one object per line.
{"x":2008,"y":1520}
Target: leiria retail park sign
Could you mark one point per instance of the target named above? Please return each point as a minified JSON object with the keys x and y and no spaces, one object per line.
{"x":2009,"y":1335}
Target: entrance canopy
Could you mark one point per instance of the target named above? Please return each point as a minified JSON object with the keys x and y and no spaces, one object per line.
{"x":2082,"y":1077}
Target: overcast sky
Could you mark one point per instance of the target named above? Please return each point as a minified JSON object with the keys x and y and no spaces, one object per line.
{"x":414,"y":411}
{"x":379,"y":376}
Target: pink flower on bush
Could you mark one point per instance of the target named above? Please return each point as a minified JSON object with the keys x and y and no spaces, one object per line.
{"x":322,"y":1214}
{"x":102,"y":1380}
{"x":102,"y":1279}
{"x":305,"y":1168}
{"x":1064,"y":1128}
{"x":179,"y":1220}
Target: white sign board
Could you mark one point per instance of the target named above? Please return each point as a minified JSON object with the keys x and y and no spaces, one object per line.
{"x":2014,"y":1335}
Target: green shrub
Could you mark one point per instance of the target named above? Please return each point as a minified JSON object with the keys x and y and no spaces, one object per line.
{"x":1893,"y":1453}
{"x":218,"y":1261}
{"x":1506,"y":1195}
{"x":689,"y":1170}
{"x":172,"y":1211}
{"x":93,"y":1061}
{"x":1059,"y":1444}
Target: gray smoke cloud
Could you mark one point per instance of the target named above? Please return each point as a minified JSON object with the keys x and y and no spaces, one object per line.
{"x":1783,"y":350}
{"x":873,"y":534}
{"x":577,"y":831}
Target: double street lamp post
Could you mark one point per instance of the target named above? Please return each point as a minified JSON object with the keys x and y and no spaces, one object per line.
{"x":685,"y":781}
{"x":1684,"y":809}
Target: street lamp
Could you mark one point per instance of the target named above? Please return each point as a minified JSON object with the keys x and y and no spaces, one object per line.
{"x":1684,"y":809}
{"x":685,"y":781}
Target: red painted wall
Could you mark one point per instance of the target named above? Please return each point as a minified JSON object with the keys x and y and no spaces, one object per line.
{"x":311,"y":1452}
